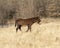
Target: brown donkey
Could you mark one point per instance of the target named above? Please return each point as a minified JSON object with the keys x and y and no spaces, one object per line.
{"x":28,"y":22}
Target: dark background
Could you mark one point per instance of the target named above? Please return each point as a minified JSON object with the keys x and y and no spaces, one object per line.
{"x":10,"y":10}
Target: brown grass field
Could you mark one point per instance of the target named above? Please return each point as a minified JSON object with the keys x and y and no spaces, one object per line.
{"x":45,"y":35}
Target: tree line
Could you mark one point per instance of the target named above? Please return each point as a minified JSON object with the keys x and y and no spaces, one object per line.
{"x":14,"y":9}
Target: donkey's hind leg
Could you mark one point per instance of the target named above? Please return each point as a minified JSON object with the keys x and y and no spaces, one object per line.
{"x":17,"y":29}
{"x":29,"y":27}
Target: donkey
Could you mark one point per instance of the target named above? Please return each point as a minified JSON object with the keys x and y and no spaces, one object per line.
{"x":19,"y":22}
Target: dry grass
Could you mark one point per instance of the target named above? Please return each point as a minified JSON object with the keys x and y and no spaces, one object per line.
{"x":46,"y":35}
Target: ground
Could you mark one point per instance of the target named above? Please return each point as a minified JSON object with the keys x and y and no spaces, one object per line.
{"x":43,"y":35}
